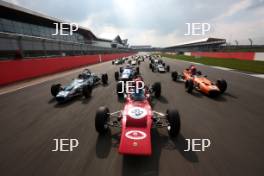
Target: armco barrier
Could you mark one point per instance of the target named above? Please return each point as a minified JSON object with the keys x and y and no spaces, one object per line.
{"x":16,"y":70}
{"x":225,"y":55}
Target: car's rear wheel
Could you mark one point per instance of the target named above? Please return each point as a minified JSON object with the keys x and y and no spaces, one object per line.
{"x":168,"y":68}
{"x":101,"y":119}
{"x":173,"y":118}
{"x":119,"y":89}
{"x":137,"y":70}
{"x":174,"y":75}
{"x":55,"y":88}
{"x":104,"y":78}
{"x":121,"y":69}
{"x":87,"y":91}
{"x":189,"y":86}
{"x":150,"y":65}
{"x":116,"y":75}
{"x":222,"y":85}
{"x":157,"y":89}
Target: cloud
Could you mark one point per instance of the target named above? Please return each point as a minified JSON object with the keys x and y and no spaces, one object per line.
{"x":157,"y":22}
{"x":235,"y":8}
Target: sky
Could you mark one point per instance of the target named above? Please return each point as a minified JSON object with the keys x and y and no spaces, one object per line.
{"x":159,"y":23}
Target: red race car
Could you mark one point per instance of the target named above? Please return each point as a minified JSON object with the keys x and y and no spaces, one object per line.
{"x":195,"y":80}
{"x":136,"y":121}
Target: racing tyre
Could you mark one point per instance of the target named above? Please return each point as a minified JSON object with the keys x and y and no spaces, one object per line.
{"x":173,"y":118}
{"x":121,"y":69}
{"x":157,"y":89}
{"x":104,"y":78}
{"x":222,"y":85}
{"x":116,"y":75}
{"x":87,"y":91}
{"x":163,"y":64}
{"x":119,"y":89}
{"x":113,"y":62}
{"x":168,"y":68}
{"x":55,"y":88}
{"x":189,"y":86}
{"x":137,"y":70}
{"x":101,"y":119}
{"x":150,"y":65}
{"x":174,"y":75}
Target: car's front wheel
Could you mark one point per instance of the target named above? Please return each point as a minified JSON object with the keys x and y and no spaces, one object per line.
{"x":87,"y":91}
{"x":101,"y":119}
{"x":173,"y":118}
{"x":55,"y":88}
{"x":189,"y":86}
{"x":222,"y":85}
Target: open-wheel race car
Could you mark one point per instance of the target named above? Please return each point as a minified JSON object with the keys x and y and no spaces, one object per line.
{"x":118,"y":61}
{"x":126,"y":73}
{"x":136,"y":120}
{"x":83,"y":85}
{"x":157,"y":65}
{"x":195,"y":80}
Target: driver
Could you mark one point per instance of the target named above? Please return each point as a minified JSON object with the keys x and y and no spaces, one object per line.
{"x":138,"y":95}
{"x":193,"y":70}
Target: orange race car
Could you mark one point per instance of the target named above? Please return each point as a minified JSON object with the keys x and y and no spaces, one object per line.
{"x":195,"y":80}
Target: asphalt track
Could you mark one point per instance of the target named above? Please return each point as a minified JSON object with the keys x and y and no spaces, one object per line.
{"x":30,"y":119}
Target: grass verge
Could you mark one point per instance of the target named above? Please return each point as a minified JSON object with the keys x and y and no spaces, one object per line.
{"x":242,"y":65}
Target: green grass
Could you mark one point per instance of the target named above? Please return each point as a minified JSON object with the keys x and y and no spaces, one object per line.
{"x":247,"y":66}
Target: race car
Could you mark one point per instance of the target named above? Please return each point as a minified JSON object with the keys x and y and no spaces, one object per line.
{"x":141,"y":58}
{"x":154,"y":90}
{"x":158,"y":66}
{"x":136,"y":120}
{"x":134,"y":62}
{"x":126,"y":73}
{"x":82,"y":85}
{"x":118,"y":62}
{"x":195,"y":80}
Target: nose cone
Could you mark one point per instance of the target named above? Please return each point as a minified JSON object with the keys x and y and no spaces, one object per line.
{"x":214,"y":93}
{"x":62,"y":96}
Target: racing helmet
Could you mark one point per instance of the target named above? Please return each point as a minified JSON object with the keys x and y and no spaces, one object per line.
{"x":138,"y":95}
{"x":193,"y":70}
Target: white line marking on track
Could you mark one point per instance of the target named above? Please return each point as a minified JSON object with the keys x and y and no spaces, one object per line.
{"x":258,"y":75}
{"x":222,"y":68}
{"x":196,"y":63}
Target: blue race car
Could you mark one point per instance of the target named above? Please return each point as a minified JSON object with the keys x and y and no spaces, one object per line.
{"x":82,"y":85}
{"x":126,"y":73}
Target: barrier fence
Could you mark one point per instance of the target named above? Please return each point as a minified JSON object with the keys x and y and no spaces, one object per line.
{"x":17,"y":70}
{"x":227,"y":55}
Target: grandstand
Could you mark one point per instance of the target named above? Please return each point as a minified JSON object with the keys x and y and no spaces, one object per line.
{"x":26,"y":33}
{"x":207,"y":44}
